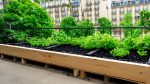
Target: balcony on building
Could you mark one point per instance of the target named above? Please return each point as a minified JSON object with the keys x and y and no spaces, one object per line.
{"x":63,"y":15}
{"x":96,"y":8}
{"x":89,"y":14}
{"x":114,"y":4}
{"x":121,"y":11}
{"x":51,"y":10}
{"x":56,"y":10}
{"x":137,"y":9}
{"x":75,"y":15}
{"x":113,"y":12}
{"x":129,"y":10}
{"x":96,"y":13}
{"x":114,"y":19}
{"x":63,"y":9}
{"x":75,"y":3}
{"x":88,"y":3}
{"x":97,"y":2}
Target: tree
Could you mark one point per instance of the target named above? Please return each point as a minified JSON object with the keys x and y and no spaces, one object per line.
{"x":28,"y":15}
{"x":68,"y":24}
{"x":144,"y":18}
{"x":104,"y":23}
{"x":127,"y":20}
{"x":86,"y":27}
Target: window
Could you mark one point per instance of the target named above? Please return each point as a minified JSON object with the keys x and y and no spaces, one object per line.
{"x":145,"y":7}
{"x":137,"y":9}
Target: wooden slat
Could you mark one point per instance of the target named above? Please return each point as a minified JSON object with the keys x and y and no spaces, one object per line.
{"x":112,"y":68}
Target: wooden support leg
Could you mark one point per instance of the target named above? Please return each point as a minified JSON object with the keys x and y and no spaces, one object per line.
{"x":2,"y":56}
{"x":75,"y":72}
{"x":46,"y":66}
{"x":82,"y":74}
{"x":106,"y":80}
{"x":14,"y":59}
{"x":23,"y":61}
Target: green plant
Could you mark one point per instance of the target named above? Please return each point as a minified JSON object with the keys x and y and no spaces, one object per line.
{"x":35,"y":41}
{"x":85,"y":28}
{"x":144,"y":18}
{"x":59,"y":37}
{"x":76,"y":41}
{"x":67,"y":24}
{"x":129,"y":43}
{"x":108,"y":42}
{"x":28,"y":15}
{"x":127,"y":20}
{"x":104,"y":22}
{"x":142,"y":53}
{"x":120,"y":52}
{"x":92,"y":42}
{"x":8,"y":35}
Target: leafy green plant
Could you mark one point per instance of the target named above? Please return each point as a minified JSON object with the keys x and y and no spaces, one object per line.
{"x":35,"y":41}
{"x":120,"y":52}
{"x":85,"y":28}
{"x":142,"y":53}
{"x":59,"y":37}
{"x":67,"y":24}
{"x":108,"y":42}
{"x":28,"y":15}
{"x":92,"y":42}
{"x":129,"y":43}
{"x":144,"y":18}
{"x":76,"y":41}
{"x":8,"y":35}
{"x":104,"y":22}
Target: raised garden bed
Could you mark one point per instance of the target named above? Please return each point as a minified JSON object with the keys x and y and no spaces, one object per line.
{"x":120,"y":69}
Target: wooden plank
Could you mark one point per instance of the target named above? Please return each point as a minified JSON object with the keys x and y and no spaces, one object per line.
{"x":112,"y":68}
{"x":75,"y":72}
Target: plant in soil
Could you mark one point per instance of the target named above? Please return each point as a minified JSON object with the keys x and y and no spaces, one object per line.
{"x":142,"y":53}
{"x":120,"y":52}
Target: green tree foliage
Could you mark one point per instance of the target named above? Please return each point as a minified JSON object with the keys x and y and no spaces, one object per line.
{"x":85,"y":28}
{"x":127,"y":20}
{"x":26,"y":14}
{"x":68,"y":24}
{"x":144,"y":18}
{"x":104,"y":22}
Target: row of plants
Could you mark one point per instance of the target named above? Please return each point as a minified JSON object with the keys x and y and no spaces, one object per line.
{"x":95,"y":41}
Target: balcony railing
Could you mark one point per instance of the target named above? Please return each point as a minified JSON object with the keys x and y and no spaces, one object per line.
{"x":129,"y":3}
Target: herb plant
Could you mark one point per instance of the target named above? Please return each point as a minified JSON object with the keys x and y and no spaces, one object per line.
{"x":142,"y":53}
{"x":120,"y":52}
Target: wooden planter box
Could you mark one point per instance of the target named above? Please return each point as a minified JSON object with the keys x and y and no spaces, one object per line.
{"x":119,"y":69}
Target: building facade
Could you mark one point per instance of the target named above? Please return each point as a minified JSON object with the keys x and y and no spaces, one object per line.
{"x":80,"y":9}
{"x":120,"y":7}
{"x":93,"y":9}
{"x":1,"y":4}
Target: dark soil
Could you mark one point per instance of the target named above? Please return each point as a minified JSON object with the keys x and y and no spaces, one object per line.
{"x":133,"y":57}
{"x":70,"y":49}
{"x":102,"y":53}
